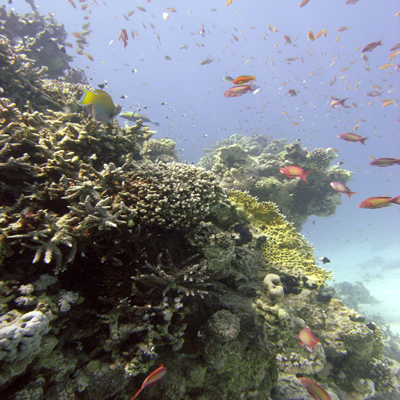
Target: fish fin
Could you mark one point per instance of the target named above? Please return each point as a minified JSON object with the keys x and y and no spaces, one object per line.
{"x":349,"y":194}
{"x":254,"y":77}
{"x":396,"y":200}
{"x":304,"y":175}
{"x":137,"y":394}
{"x":363,"y":140}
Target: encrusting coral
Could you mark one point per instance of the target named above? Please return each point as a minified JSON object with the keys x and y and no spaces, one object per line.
{"x":285,"y":249}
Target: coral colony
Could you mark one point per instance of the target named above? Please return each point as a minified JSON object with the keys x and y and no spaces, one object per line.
{"x":116,"y":258}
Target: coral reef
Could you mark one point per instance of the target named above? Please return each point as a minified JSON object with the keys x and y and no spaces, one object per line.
{"x":41,"y":37}
{"x":115,"y":258}
{"x":252,"y":164}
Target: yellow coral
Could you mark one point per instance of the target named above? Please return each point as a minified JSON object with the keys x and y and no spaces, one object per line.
{"x":285,"y":248}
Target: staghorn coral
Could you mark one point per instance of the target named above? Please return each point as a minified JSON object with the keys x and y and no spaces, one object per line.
{"x":189,"y":279}
{"x":285,"y":249}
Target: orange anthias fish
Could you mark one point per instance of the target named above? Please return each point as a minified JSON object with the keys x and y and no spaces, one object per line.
{"x":152,"y":379}
{"x":384,"y":162}
{"x":243,"y":79}
{"x":303,"y":3}
{"x":315,"y":390}
{"x":352,"y":137}
{"x":338,"y":103}
{"x":294,"y":171}
{"x":310,"y":35}
{"x":236,"y":91}
{"x":371,"y":46}
{"x":339,"y":187}
{"x":379,"y":202}
{"x":308,"y":340}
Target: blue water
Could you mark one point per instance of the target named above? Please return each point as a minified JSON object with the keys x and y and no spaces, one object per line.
{"x":196,"y":115}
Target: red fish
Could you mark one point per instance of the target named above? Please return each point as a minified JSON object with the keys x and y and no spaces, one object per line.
{"x":152,"y":379}
{"x":371,"y":46}
{"x":338,"y":103}
{"x":236,"y":91}
{"x":315,"y":390}
{"x":308,"y":340}
{"x":384,"y":162}
{"x":294,"y":171}
{"x":379,"y":202}
{"x":352,"y":137}
{"x":339,"y":187}
{"x":243,"y":79}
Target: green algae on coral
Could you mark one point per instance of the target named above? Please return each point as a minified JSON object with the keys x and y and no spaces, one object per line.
{"x":285,"y":249}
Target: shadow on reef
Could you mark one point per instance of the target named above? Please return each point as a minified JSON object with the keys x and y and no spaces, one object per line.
{"x":114,"y":258}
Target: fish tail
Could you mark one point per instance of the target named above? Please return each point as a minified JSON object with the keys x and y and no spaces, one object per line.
{"x":379,"y":43}
{"x":250,"y":87}
{"x":254,"y":77}
{"x":155,"y":123}
{"x":349,"y":194}
{"x":397,"y":161}
{"x":395,"y":200}
{"x":87,"y":98}
{"x":137,"y":394}
{"x":362,"y":140}
{"x":304,"y":175}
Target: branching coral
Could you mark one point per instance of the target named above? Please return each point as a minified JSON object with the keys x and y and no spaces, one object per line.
{"x":189,"y":279}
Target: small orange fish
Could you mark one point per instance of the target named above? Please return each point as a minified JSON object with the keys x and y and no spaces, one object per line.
{"x":343,"y":28}
{"x":123,"y":36}
{"x":303,"y":3}
{"x":310,"y":36}
{"x":72,"y":3}
{"x":388,"y":103}
{"x":316,"y":391}
{"x":307,"y":339}
{"x":379,"y":202}
{"x":321,"y":33}
{"x":89,"y":57}
{"x":386,"y":66}
{"x":141,"y":8}
{"x":228,"y":3}
{"x":339,"y":187}
{"x":395,"y":47}
{"x":384,"y":162}
{"x":287,"y":39}
{"x":338,"y":103}
{"x":293,"y":171}
{"x":236,"y":91}
{"x":352,"y":137}
{"x":243,"y":79}
{"x":372,"y":46}
{"x":152,"y":379}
